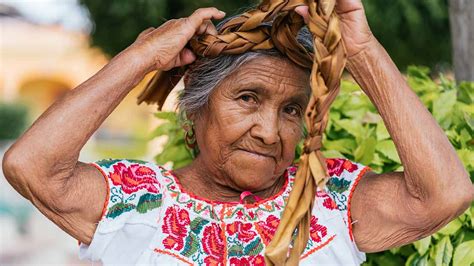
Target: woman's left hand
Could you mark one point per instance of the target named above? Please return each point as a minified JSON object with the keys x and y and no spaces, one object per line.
{"x":355,"y":30}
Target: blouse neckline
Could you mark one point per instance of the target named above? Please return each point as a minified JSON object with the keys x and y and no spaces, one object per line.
{"x":180,"y":189}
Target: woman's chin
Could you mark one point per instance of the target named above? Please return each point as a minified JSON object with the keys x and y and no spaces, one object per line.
{"x":253,"y":175}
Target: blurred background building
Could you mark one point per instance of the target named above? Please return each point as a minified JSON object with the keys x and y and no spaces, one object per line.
{"x":43,"y":57}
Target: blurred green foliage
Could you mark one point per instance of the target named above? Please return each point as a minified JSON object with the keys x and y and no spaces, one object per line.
{"x":413,"y":32}
{"x":13,"y":120}
{"x":356,"y":131}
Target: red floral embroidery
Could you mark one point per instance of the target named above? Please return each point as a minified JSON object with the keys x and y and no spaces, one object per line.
{"x":134,"y":177}
{"x":213,"y":244}
{"x":174,"y":224}
{"x":251,"y":260}
{"x":337,"y":166}
{"x":243,"y":230}
{"x":267,"y":229}
{"x":328,"y":202}
{"x":317,"y":231}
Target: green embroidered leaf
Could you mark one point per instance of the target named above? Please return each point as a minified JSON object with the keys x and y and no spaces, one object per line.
{"x":136,"y":161}
{"x":149,"y":202}
{"x":197,"y":225}
{"x":338,"y":185}
{"x":235,"y":251}
{"x":108,"y":162}
{"x":254,"y":248}
{"x":119,"y":208}
{"x":191,"y":245}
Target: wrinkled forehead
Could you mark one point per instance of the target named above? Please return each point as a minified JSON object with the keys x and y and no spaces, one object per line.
{"x":271,"y":74}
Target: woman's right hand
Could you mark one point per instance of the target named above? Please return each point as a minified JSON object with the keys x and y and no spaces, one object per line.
{"x":164,"y":47}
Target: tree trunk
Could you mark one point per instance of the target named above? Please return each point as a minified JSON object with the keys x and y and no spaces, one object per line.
{"x":461,"y":16}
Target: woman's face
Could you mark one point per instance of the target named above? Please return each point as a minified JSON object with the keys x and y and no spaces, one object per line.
{"x":248,"y":133}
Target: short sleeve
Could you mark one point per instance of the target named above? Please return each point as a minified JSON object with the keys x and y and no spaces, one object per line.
{"x":344,"y":177}
{"x":133,"y":194}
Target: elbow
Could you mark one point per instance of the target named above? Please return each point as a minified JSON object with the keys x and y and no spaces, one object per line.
{"x":455,"y":200}
{"x":13,"y":170}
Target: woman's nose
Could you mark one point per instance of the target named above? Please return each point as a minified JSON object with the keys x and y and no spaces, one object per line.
{"x":266,"y":129}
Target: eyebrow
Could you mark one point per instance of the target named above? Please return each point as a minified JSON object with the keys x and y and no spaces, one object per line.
{"x":302,"y":97}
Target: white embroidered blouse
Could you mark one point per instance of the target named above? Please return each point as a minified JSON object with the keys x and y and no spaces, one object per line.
{"x":149,"y":219}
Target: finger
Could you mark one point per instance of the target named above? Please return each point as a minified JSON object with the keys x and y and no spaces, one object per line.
{"x":207,"y":27}
{"x":145,"y":32}
{"x":304,"y":12}
{"x":202,"y":14}
{"x":185,"y":57}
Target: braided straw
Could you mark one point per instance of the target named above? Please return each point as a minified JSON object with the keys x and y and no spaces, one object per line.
{"x":246,"y":33}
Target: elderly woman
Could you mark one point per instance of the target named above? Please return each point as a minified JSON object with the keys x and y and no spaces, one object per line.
{"x":247,"y":118}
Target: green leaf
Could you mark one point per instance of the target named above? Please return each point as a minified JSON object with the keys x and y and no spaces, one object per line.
{"x":191,"y":245}
{"x":198,"y":224}
{"x":345,"y":145}
{"x":254,"y":247}
{"x":387,"y":148}
{"x":119,"y":208}
{"x":442,"y":107}
{"x":169,"y":116}
{"x":332,"y":154}
{"x":382,"y":132}
{"x":365,"y":152}
{"x":464,"y":254}
{"x":163,"y":130}
{"x":466,"y":92}
{"x":423,"y":245}
{"x":149,"y":202}
{"x":235,"y":251}
{"x":108,"y":162}
{"x":442,"y":252}
{"x":351,"y":126}
{"x":451,"y":228}
{"x":416,"y":260}
{"x":338,"y":185}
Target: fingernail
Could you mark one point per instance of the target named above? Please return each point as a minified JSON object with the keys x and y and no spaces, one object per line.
{"x":222,"y":12}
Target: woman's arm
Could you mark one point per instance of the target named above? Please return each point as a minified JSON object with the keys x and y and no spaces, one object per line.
{"x":43,"y":163}
{"x":392,"y":209}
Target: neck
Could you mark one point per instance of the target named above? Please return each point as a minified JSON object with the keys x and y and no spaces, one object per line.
{"x":203,"y":182}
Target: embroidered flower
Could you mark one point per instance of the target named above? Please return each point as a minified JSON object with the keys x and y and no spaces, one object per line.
{"x":328,"y":202}
{"x":266,"y":229}
{"x":175,"y":225}
{"x":337,"y":166}
{"x":317,"y":231}
{"x":250,"y":260}
{"x":134,"y":178}
{"x":213,"y":244}
{"x":243,"y":230}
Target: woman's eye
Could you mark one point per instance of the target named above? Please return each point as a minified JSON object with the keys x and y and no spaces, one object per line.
{"x":292,"y":110}
{"x":248,"y":98}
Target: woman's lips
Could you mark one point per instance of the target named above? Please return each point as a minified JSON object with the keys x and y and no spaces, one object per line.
{"x":259,"y":154}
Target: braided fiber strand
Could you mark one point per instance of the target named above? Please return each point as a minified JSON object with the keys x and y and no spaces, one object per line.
{"x":248,"y":32}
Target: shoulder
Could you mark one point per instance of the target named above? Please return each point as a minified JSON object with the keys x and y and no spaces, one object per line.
{"x":132,"y":186}
{"x":344,"y":175}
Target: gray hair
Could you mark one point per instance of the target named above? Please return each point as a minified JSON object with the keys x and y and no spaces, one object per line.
{"x":205,"y":74}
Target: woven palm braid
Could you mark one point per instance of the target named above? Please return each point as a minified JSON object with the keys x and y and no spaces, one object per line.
{"x":246,"y":33}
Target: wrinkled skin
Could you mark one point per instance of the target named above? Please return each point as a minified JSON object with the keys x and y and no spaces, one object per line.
{"x":248,"y":134}
{"x":391,"y":209}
